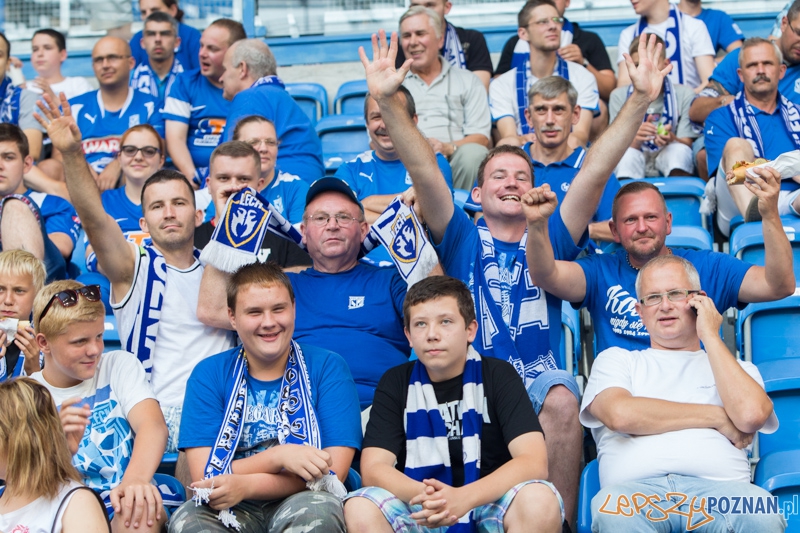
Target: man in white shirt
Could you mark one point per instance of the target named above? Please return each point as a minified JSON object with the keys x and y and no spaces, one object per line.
{"x":540,"y":25}
{"x":675,"y":418}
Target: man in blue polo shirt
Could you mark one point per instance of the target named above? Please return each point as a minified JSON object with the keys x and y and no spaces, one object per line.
{"x":45,"y":225}
{"x":195,"y":112}
{"x":724,"y":32}
{"x":104,"y":115}
{"x":250,"y":80}
{"x":759,"y":122}
{"x":158,"y":73}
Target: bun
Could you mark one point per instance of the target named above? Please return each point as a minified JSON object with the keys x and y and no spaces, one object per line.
{"x":740,"y":170}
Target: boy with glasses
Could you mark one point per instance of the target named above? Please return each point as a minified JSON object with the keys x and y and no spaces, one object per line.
{"x":104,"y":400}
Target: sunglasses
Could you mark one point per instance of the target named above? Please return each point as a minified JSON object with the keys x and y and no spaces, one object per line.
{"x":69,"y":297}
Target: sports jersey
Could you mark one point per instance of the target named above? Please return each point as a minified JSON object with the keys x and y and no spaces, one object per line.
{"x":187,"y":52}
{"x":721,"y":28}
{"x":726,"y":74}
{"x":102,"y":129}
{"x":126,"y":214}
{"x":118,"y":385}
{"x":611,"y":293}
{"x":58,"y":214}
{"x":17,"y":106}
{"x":360,"y":318}
{"x":301,"y":151}
{"x":193,"y":100}
{"x":144,"y":78}
{"x":369,"y":175}
{"x":332,"y":392}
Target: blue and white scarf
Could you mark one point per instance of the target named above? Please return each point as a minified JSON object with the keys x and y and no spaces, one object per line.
{"x":669,"y":116}
{"x":142,"y":339}
{"x":522,"y":49}
{"x":398,"y":228}
{"x":747,"y":125}
{"x":268,"y":80}
{"x":494,"y":338}
{"x":562,"y":70}
{"x":9,"y":107}
{"x":453,"y":51}
{"x":298,"y":420}
{"x":144,"y":79}
{"x":427,"y":448}
{"x":17,"y":371}
{"x":674,"y":47}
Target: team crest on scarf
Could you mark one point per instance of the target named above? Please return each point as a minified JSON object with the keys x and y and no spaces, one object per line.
{"x":245,"y":222}
{"x":399,"y":230}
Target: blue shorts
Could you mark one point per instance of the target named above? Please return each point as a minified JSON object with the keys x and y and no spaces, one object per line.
{"x":548,"y":379}
{"x":488,"y":518}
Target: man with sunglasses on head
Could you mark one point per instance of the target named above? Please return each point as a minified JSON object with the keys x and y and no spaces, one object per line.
{"x":154,"y":288}
{"x":673,"y":420}
{"x":104,"y":115}
{"x":114,"y":428}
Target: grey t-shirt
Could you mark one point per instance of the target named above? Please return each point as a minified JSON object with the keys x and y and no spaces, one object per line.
{"x":684,"y":96}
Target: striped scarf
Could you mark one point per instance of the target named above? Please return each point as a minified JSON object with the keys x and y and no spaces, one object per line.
{"x":562,"y":70}
{"x":670,"y":115}
{"x":427,"y":449}
{"x":747,"y":125}
{"x":522,"y":49}
{"x":453,"y":51}
{"x":9,"y":105}
{"x":672,"y":38}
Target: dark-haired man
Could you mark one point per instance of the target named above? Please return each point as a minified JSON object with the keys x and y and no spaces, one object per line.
{"x":155,"y":75}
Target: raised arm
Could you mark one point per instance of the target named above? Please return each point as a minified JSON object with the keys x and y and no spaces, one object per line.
{"x":176,"y":134}
{"x":383,"y":79}
{"x":115,"y":255}
{"x":583,"y":197}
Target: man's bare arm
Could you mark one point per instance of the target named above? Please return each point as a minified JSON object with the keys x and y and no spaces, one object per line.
{"x":702,"y":106}
{"x":177,"y":133}
{"x":212,"y":308}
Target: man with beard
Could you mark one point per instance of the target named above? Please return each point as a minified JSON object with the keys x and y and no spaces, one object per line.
{"x":604,"y":283}
{"x":759,"y":122}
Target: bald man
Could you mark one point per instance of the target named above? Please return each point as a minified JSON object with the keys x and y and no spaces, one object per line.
{"x":104,"y":117}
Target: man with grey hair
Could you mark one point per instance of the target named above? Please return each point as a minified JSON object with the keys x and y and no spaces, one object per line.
{"x":451,"y":102}
{"x":759,"y":122}
{"x":250,"y":80}
{"x":675,"y":418}
{"x":663,"y":144}
{"x":551,"y":113}
{"x":159,"y":39}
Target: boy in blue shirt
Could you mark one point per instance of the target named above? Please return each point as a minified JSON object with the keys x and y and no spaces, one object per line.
{"x":265,"y":420}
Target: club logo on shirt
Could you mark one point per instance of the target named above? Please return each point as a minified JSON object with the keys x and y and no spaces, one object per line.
{"x":797,"y":86}
{"x":90,"y":118}
{"x":133,"y":120}
{"x":624,"y":318}
{"x":408,"y":179}
{"x":356,"y":302}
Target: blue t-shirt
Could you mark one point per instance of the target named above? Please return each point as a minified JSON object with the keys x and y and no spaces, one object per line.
{"x":101,"y":129}
{"x":144,"y":79}
{"x":193,"y":100}
{"x":187,"y":52}
{"x":359,"y":315}
{"x":720,"y":127}
{"x":721,"y":27}
{"x":726,"y":75}
{"x":301,"y":151}
{"x":332,"y":391}
{"x":559,"y":176}
{"x":58,"y":214}
{"x":369,"y":175}
{"x":611,"y":293}
{"x":461,"y":249}
{"x":126,"y":214}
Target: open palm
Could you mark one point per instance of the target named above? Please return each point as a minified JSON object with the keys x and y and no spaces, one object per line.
{"x":383,"y":79}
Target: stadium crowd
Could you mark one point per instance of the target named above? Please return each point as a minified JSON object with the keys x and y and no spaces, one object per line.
{"x":355,"y":351}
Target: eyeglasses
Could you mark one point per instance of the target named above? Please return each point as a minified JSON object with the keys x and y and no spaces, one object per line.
{"x":112,"y":58}
{"x":675,"y":295}
{"x":321,"y":219}
{"x":559,"y":21}
{"x":270,"y":143}
{"x":69,"y":297}
{"x":796,"y":32}
{"x":147,"y":151}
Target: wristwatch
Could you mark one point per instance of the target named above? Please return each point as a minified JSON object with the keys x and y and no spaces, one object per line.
{"x":585,"y":63}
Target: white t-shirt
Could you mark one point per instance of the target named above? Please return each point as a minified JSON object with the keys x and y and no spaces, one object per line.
{"x":673,"y":376}
{"x":182,"y":340}
{"x":39,"y":515}
{"x":119,"y":383}
{"x":70,"y":86}
{"x":695,"y":41}
{"x":503,"y":92}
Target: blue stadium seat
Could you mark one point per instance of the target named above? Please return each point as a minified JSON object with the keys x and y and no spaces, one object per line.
{"x":312,"y":99}
{"x":779,"y":473}
{"x":683,"y":196}
{"x":343,"y":138}
{"x":782,"y":383}
{"x":167,"y":465}
{"x":77,"y":264}
{"x":171,"y":490}
{"x":747,"y":241}
{"x":769,"y":330}
{"x":350,"y":98}
{"x":570,"y":352}
{"x":353,"y":481}
{"x":590,"y":485}
{"x":111,"y":335}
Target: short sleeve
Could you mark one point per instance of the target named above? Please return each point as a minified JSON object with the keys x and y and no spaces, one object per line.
{"x":477,"y":118}
{"x":726,"y":73}
{"x":128,"y":379}
{"x":586,"y":85}
{"x":157,"y":121}
{"x":684,"y":96}
{"x":336,"y":403}
{"x":612,"y":368}
{"x":444,"y":167}
{"x":27,"y":106}
{"x":60,"y":217}
{"x":386,"y":427}
{"x":478,"y":57}
{"x":504,"y":65}
{"x":502,"y":97}
{"x":624,"y":42}
{"x":203,"y":405}
{"x":594,"y":50}
{"x":729,"y":31}
{"x":719,"y":128}
{"x":177,"y":105}
{"x":616,"y":101}
{"x":701,"y":44}
{"x":515,"y":413}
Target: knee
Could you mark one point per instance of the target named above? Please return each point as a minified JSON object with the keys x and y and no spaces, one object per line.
{"x":560,"y":404}
{"x":737,"y":144}
{"x":361,"y":515}
{"x":534,"y":504}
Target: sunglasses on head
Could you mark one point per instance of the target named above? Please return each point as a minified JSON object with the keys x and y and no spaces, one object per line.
{"x":69,"y":297}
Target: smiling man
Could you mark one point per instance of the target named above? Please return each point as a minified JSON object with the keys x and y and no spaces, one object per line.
{"x":676,"y":418}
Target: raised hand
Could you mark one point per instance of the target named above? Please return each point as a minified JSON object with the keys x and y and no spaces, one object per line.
{"x":61,"y":127}
{"x":646,"y":78}
{"x":708,"y":318}
{"x":383,"y":78}
{"x":538,"y":204}
{"x":765,"y":183}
